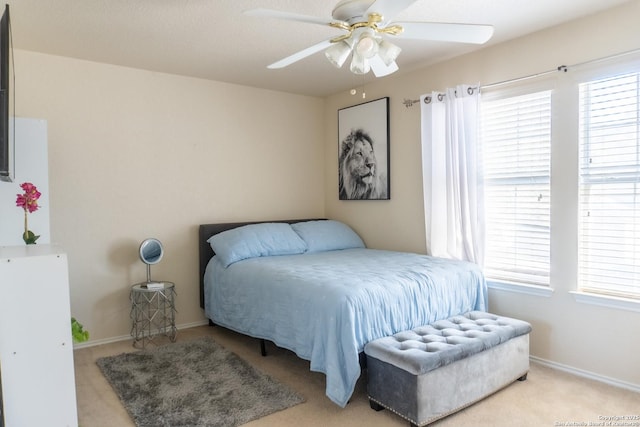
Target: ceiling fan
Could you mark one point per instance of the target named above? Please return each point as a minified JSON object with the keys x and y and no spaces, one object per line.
{"x":367,"y":24}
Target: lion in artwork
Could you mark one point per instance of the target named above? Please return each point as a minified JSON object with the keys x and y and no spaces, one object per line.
{"x":358,"y":176}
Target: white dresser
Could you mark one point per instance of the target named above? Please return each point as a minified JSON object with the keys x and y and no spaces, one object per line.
{"x":36,"y":348}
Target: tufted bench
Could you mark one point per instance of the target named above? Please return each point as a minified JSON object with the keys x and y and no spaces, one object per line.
{"x":432,"y":371}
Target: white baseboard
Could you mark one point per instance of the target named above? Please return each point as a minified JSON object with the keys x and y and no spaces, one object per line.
{"x":92,"y":343}
{"x":586,"y":374}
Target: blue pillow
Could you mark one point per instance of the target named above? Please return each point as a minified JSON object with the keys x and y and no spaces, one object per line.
{"x":327,"y":235}
{"x":256,"y":240}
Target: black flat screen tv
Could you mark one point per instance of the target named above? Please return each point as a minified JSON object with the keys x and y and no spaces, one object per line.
{"x":7,"y":118}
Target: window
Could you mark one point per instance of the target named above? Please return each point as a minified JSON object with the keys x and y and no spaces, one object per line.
{"x":609,"y":195}
{"x":516,"y":145}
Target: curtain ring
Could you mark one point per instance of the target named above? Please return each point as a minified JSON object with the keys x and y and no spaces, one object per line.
{"x":427,"y":100}
{"x":440,"y":97}
{"x":470,"y":90}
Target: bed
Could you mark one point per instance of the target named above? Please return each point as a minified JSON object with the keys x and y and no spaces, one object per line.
{"x":311,"y":286}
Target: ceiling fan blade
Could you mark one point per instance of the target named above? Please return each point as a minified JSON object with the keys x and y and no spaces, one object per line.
{"x":270,"y":13}
{"x":300,"y":55}
{"x":440,"y":31}
{"x":389,"y":9}
{"x":380,"y":69}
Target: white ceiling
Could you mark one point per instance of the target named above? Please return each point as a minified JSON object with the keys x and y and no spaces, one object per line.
{"x":212,"y":39}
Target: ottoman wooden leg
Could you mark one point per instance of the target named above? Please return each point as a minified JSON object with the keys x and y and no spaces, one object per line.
{"x":375,"y":406}
{"x":523,"y":378}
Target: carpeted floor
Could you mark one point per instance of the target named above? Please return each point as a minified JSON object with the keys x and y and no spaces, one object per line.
{"x":193,"y":383}
{"x":547,"y":398}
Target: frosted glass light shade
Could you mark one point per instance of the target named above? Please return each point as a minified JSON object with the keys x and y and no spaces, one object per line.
{"x":388,"y":52}
{"x":359,"y":64}
{"x":367,"y":46}
{"x":338,"y":53}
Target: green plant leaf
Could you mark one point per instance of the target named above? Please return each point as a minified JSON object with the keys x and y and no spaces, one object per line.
{"x":77,"y":331}
{"x":29,"y":238}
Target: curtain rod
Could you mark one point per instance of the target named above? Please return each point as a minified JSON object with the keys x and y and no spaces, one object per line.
{"x":562,"y":68}
{"x":409,"y":102}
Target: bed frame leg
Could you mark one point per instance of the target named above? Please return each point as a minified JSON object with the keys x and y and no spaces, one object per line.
{"x":263,"y":349}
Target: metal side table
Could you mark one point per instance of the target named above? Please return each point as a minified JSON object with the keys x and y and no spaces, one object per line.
{"x":153,"y":312}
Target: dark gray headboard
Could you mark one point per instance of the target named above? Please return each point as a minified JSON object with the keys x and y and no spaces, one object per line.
{"x":204,"y":249}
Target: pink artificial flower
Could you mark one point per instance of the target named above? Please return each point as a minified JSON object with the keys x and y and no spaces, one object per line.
{"x":29,"y":203}
{"x":29,"y":200}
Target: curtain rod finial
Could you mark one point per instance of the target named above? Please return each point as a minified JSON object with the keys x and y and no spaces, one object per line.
{"x":409,"y":102}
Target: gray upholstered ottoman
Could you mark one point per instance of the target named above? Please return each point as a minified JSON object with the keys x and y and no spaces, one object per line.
{"x":432,"y":371}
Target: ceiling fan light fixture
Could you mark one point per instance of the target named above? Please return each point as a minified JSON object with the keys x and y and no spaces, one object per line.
{"x":388,"y":52}
{"x":338,"y":53}
{"x":365,"y":25}
{"x":359,"y":64}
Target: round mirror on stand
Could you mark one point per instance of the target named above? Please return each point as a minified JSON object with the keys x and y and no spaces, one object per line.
{"x":151,"y":252}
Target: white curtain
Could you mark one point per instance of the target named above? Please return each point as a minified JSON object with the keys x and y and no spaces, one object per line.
{"x":452,"y":174}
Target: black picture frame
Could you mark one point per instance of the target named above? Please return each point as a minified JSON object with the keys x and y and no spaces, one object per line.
{"x":363,"y":151}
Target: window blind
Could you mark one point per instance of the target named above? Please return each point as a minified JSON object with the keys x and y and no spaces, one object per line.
{"x":516,"y":145}
{"x":609,"y":207}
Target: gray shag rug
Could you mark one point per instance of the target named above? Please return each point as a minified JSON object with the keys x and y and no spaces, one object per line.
{"x":196,"y":383}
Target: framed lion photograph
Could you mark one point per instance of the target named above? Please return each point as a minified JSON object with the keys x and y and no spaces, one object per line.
{"x":363,"y":151}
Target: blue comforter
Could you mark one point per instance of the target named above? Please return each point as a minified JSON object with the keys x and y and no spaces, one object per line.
{"x":326,"y":306}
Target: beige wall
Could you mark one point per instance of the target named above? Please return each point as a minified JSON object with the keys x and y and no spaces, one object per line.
{"x":601,"y":341}
{"x":136,"y":154}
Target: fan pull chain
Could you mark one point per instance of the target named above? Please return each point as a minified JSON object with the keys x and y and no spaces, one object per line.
{"x":355,"y":91}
